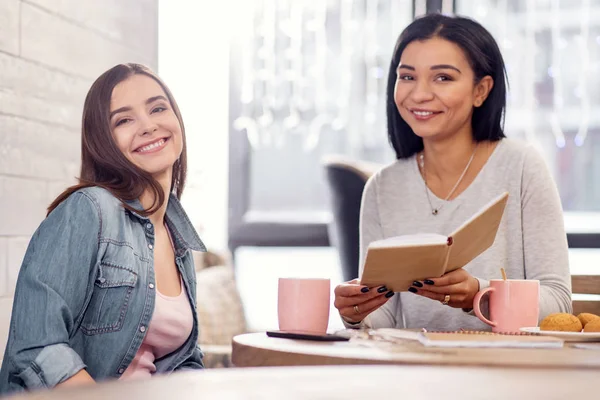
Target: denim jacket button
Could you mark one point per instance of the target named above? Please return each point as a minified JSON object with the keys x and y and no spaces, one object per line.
{"x":142,"y":329}
{"x":102,"y":280}
{"x":121,"y":371}
{"x":151,"y":286}
{"x":149,"y":225}
{"x":150,"y":246}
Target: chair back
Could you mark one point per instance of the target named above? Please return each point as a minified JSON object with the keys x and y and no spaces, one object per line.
{"x":586,"y":285}
{"x":346,"y":179}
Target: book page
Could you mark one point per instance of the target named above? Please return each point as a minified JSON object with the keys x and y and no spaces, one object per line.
{"x":477,"y":234}
{"x":406,"y":240}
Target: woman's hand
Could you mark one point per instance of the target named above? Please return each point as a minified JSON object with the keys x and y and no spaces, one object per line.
{"x":355,"y":301}
{"x":458,"y":284}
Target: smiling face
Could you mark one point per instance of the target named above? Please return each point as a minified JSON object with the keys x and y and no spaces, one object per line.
{"x":435,"y":89}
{"x":144,"y":125}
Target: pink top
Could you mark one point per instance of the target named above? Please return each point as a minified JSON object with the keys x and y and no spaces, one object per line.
{"x":169,"y":328}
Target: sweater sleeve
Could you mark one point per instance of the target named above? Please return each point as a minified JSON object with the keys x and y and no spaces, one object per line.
{"x":370,"y":230}
{"x":544,"y":239}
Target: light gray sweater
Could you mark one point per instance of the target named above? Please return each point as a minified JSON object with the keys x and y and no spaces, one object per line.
{"x":530,"y":243}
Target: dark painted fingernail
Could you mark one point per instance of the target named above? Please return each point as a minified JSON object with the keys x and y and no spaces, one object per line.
{"x":382,"y":289}
{"x":389,"y":294}
{"x":429,"y":282}
{"x":417,"y":284}
{"x":412,"y":289}
{"x":364,"y":290}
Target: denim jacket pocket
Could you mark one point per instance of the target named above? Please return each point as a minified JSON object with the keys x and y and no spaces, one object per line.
{"x":108,"y":306}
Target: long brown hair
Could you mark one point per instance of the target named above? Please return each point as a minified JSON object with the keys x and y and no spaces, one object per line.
{"x":102,"y":163}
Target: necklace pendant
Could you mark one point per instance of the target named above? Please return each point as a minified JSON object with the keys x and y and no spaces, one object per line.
{"x":434,"y":211}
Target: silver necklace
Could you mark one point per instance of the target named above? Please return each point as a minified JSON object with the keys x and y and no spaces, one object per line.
{"x":435,"y":210}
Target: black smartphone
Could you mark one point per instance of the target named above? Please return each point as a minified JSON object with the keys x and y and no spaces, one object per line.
{"x":326,"y":337}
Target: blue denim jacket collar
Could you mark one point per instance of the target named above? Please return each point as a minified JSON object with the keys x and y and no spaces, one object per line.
{"x":184,"y":235}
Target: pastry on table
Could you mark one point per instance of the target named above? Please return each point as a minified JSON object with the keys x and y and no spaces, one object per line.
{"x":562,"y":322}
{"x":587,"y":317}
{"x":592,"y":326}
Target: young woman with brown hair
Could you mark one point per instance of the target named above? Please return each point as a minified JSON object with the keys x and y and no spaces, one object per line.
{"x":107,"y":287}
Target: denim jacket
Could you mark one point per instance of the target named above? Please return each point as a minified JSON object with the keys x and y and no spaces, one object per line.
{"x":86,"y":290}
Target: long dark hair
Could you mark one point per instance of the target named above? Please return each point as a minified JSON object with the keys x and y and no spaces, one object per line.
{"x":485,"y":59}
{"x":102,"y":163}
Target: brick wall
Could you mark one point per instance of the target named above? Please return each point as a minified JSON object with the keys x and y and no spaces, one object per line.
{"x":50,"y":53}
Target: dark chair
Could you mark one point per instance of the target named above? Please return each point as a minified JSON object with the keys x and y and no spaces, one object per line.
{"x":346,"y":179}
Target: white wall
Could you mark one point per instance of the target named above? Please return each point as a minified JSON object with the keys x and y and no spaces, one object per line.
{"x":50,"y":53}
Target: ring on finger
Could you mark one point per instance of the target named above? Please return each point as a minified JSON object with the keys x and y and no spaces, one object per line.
{"x":446,"y":300}
{"x":356,"y":310}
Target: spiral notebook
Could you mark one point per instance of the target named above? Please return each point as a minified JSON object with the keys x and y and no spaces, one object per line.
{"x":487,"y":339}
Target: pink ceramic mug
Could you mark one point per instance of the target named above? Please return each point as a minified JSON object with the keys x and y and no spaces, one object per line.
{"x":514,"y":304}
{"x":303,"y":305}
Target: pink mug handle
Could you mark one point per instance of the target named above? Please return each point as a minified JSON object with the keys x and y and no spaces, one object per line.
{"x":477,"y":307}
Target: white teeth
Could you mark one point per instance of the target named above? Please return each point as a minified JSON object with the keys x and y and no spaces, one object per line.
{"x":152,"y":146}
{"x":423,"y":113}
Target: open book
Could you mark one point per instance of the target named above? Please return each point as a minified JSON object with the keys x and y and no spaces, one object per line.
{"x":397,"y":262}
